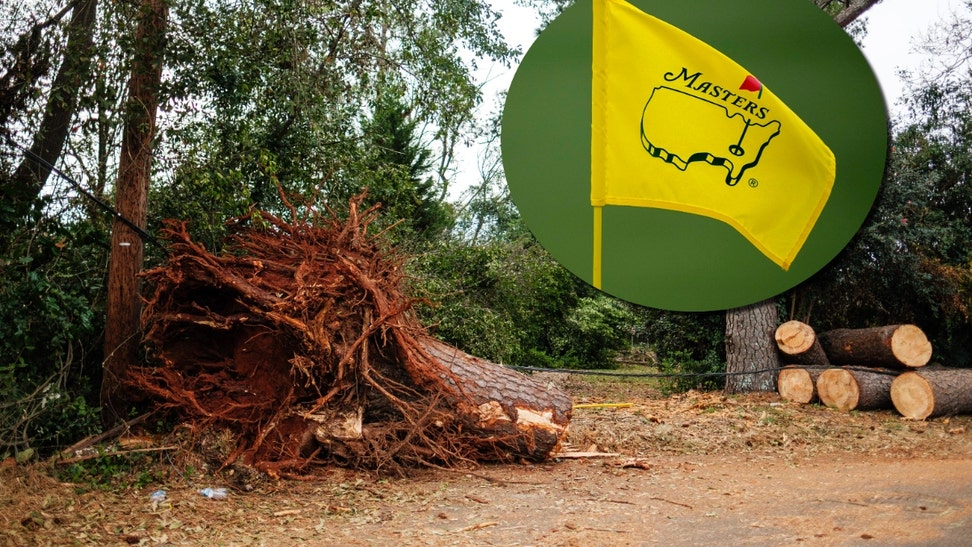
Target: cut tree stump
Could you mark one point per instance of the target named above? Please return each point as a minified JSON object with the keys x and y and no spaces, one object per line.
{"x":798,"y":383}
{"x":798,"y":342}
{"x":855,"y":389}
{"x":892,"y":346}
{"x":929,"y":393}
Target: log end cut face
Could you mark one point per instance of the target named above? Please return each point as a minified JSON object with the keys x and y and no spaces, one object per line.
{"x":795,"y":385}
{"x":837,"y":388}
{"x":912,"y":396}
{"x":910,"y":345}
{"x":795,"y":337}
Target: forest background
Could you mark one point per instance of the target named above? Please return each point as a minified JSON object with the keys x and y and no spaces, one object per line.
{"x":324,"y":98}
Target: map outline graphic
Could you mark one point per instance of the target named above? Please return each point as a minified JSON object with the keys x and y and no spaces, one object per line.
{"x":681,"y":160}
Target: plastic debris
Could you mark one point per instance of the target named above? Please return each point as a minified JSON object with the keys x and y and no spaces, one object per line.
{"x":157,"y":497}
{"x":213,"y":493}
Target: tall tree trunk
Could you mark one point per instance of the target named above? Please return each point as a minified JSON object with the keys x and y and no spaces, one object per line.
{"x":748,"y":345}
{"x":751,"y":346}
{"x":122,"y":333}
{"x":849,"y":9}
{"x":22,"y":190}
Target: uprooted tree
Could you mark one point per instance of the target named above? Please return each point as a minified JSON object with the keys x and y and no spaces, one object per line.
{"x":298,"y":337}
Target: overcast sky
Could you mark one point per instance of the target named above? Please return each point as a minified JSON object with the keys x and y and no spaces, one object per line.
{"x":893,"y":27}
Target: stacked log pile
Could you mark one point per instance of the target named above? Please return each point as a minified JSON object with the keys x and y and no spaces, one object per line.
{"x":870,"y":368}
{"x":298,"y":338}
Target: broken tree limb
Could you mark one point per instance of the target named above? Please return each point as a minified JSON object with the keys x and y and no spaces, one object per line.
{"x":933,"y":392}
{"x":892,"y":346}
{"x":299,"y":339}
{"x":855,"y":389}
{"x":87,"y":442}
{"x":799,"y":345}
{"x":798,"y":383}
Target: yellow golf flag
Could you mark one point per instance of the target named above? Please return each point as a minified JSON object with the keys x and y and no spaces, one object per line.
{"x":678,"y":125}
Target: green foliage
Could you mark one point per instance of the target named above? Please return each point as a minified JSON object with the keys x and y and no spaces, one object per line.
{"x":323,"y":99}
{"x":495,"y":300}
{"x":593,"y":332}
{"x":691,"y":335}
{"x":687,"y":343}
{"x":50,"y":283}
{"x":692,"y":373}
{"x":501,"y":296}
{"x":112,"y":471}
{"x":399,"y":178}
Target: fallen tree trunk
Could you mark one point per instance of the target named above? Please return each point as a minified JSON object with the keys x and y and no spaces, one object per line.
{"x":855,"y":389}
{"x":798,"y":383}
{"x":929,"y":393}
{"x":892,"y":346}
{"x":506,"y":402}
{"x":298,"y":338}
{"x":798,"y":342}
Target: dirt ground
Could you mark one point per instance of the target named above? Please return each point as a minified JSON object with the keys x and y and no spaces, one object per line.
{"x":691,"y":469}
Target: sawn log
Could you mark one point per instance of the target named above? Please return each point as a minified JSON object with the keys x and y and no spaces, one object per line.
{"x":798,"y":383}
{"x":799,"y":345}
{"x":855,"y":389}
{"x":892,"y":346}
{"x":928,"y":393}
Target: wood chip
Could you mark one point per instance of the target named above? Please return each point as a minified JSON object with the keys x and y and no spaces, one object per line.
{"x":287,"y":512}
{"x":637,"y":463}
{"x":479,"y":526}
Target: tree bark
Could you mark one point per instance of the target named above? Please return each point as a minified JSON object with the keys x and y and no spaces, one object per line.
{"x":847,"y":389}
{"x":892,"y":346}
{"x":799,"y":344}
{"x":850,"y":9}
{"x":750,"y":347}
{"x":122,"y":338}
{"x":507,"y":402}
{"x":928,"y":393}
{"x":798,"y":383}
{"x":31,"y":175}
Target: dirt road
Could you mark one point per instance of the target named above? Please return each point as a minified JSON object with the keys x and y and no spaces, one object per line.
{"x":693,"y":469}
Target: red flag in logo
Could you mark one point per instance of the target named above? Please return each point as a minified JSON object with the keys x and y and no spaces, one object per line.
{"x":752,"y":84}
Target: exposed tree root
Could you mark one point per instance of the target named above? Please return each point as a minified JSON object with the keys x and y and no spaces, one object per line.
{"x":298,"y":337}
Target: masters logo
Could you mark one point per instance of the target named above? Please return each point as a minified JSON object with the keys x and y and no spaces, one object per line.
{"x":734,"y":140}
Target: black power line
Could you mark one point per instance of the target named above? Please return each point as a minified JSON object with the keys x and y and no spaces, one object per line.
{"x":145,"y":236}
{"x":584,"y":372}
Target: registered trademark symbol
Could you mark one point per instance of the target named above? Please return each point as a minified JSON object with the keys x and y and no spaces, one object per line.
{"x":753,"y":183}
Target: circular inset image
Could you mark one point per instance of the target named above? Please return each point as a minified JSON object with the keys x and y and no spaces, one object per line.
{"x":694,"y":156}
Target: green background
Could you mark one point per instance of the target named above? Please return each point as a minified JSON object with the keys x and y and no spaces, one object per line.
{"x":674,"y":260}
